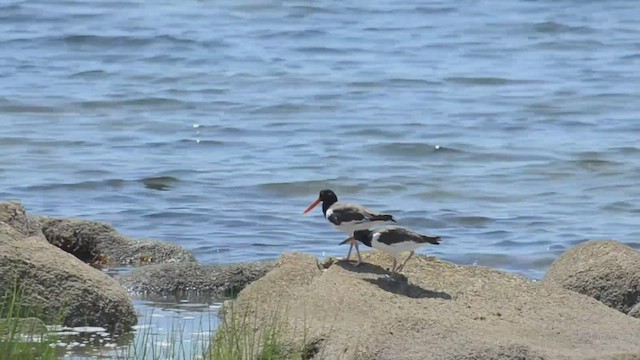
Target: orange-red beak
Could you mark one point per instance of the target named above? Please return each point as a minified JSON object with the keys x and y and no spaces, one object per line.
{"x":312,"y":206}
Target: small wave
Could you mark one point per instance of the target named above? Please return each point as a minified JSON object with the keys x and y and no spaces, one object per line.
{"x":412,"y":149}
{"x":471,"y":221}
{"x":557,"y":247}
{"x":515,"y":244}
{"x":265,"y":245}
{"x":176,"y":215}
{"x":161,"y":183}
{"x":140,"y":102}
{"x":309,"y":188}
{"x":627,"y":150}
{"x":90,"y":74}
{"x":173,"y":144}
{"x":569,"y":45}
{"x":127,"y":41}
{"x":255,"y":7}
{"x":10,"y":140}
{"x":620,"y":206}
{"x":309,"y":10}
{"x":487,"y":81}
{"x":553,"y":27}
{"x":408,"y":82}
{"x":8,"y":106}
{"x":323,"y":50}
{"x":162,"y":59}
{"x":287,"y":108}
{"x":364,"y":84}
{"x":83,"y":185}
{"x":386,"y":29}
{"x":440,"y":195}
{"x":212,"y":143}
{"x":595,"y":164}
{"x":435,"y":9}
{"x":92,"y":172}
{"x":631,"y":57}
{"x":10,"y":7}
{"x":493,"y":234}
{"x":293,"y":34}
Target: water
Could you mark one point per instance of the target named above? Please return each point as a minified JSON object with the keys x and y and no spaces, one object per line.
{"x":508,"y":127}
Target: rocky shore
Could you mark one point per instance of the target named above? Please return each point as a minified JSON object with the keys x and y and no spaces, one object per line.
{"x":439,"y":310}
{"x":56,"y":264}
{"x":586,"y":307}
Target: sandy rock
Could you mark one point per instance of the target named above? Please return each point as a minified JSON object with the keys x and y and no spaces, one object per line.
{"x":619,"y":356}
{"x":608,"y":271}
{"x":635,"y":311}
{"x":93,"y":241}
{"x":217,"y":280}
{"x":56,"y":285}
{"x":64,"y":287}
{"x":13,"y":214}
{"x":437,"y":310}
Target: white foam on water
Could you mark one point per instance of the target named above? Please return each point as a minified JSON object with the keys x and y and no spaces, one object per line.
{"x":89,"y":329}
{"x":140,"y":327}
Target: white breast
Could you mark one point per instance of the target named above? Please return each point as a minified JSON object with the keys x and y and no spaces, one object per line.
{"x":328,"y":213}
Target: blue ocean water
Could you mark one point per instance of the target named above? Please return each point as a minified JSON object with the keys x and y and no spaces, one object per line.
{"x":510,"y":128}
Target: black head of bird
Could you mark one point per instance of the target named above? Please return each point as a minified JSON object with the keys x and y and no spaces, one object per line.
{"x":327,"y":197}
{"x":364,"y":236}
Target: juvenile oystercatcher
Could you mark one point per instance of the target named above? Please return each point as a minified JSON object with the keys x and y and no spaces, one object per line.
{"x":348,"y":217}
{"x":393,"y":240}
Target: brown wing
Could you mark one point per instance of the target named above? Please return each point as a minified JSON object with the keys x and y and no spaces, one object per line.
{"x":396,"y":234}
{"x":341,"y":213}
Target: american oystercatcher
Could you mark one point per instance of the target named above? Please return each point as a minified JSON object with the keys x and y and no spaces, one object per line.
{"x":348,"y":217}
{"x":393,"y":240}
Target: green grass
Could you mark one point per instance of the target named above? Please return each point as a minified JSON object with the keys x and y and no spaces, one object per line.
{"x":238,"y":337}
{"x":20,"y":339}
{"x":242,"y":337}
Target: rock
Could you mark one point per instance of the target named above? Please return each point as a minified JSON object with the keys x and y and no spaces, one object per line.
{"x":635,"y":311}
{"x":216,"y":280}
{"x":28,"y":326}
{"x":437,"y":310}
{"x":56,"y":286}
{"x":13,"y":214}
{"x":96,"y":242}
{"x":607,"y":271}
{"x":620,"y":356}
{"x":502,"y":352}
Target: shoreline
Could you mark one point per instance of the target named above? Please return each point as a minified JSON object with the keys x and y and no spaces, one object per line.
{"x":85,"y":249}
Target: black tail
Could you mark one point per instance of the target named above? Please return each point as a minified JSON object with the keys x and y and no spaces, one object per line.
{"x":435,"y":240}
{"x":382,"y":218}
